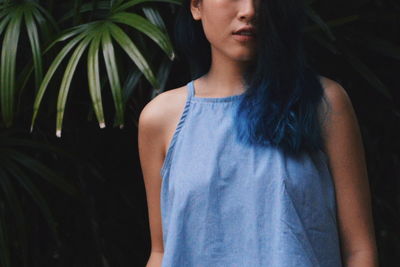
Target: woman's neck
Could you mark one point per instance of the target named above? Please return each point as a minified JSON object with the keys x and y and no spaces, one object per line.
{"x":225,"y":76}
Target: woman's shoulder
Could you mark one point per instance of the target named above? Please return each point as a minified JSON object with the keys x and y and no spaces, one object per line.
{"x":333,"y":90}
{"x":160,"y":115}
{"x":162,"y":107}
{"x":335,"y":96}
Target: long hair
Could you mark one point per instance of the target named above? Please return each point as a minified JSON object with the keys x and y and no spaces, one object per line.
{"x":280,"y":105}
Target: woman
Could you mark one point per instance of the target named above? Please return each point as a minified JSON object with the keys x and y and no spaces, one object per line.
{"x":258,"y":161}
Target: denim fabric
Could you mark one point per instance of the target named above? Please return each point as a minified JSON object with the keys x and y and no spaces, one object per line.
{"x":225,"y":204}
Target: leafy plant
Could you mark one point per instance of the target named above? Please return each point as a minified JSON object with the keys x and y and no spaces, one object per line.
{"x":100,"y":34}
{"x":12,"y":15}
{"x":331,"y":45}
{"x":109,"y":23}
{"x":18,"y":170}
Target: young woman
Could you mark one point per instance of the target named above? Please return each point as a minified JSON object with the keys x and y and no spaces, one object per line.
{"x":258,"y":161}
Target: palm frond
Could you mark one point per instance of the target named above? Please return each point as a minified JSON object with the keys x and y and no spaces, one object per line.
{"x":91,"y":35}
{"x":12,"y":17}
{"x":112,"y":72}
{"x":7,"y":65}
{"x":94,"y":79}
{"x":123,"y":6}
{"x":139,"y":23}
{"x":66,"y":81}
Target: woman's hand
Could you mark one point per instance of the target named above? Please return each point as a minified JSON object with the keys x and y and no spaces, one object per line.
{"x":155,"y":259}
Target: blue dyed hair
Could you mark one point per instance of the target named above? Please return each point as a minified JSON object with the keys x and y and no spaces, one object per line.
{"x":280,"y":106}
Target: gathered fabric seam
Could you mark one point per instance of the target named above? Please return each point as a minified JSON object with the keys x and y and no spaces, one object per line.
{"x":178,"y":128}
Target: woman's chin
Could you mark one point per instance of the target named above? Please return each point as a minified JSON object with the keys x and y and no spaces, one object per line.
{"x":245,"y":57}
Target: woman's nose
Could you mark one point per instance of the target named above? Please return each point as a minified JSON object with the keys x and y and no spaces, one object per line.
{"x":247,"y":9}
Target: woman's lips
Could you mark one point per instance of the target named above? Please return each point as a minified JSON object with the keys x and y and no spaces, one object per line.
{"x":243,"y":38}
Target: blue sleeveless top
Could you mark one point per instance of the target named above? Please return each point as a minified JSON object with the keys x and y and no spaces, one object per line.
{"x":225,"y":204}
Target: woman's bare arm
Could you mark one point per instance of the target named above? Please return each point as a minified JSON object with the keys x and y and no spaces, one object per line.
{"x":157,"y":123}
{"x":347,"y":162}
{"x":151,"y":158}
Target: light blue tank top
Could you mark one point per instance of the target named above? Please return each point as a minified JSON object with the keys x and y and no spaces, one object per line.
{"x":225,"y":204}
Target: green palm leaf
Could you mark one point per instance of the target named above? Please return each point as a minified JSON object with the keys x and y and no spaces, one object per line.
{"x":24,"y":180}
{"x":16,"y":169}
{"x":53,"y":67}
{"x":112,"y":72}
{"x":330,"y":24}
{"x":3,"y":23}
{"x":35,"y":45}
{"x":133,"y":52}
{"x":377,"y":44}
{"x":319,"y":22}
{"x":94,"y":79}
{"x":153,"y":15}
{"x":42,"y":14}
{"x":39,"y":168}
{"x":125,"y":5}
{"x":11,"y":17}
{"x":15,"y":204}
{"x":366,"y":72}
{"x":147,"y":28}
{"x":130,"y":83}
{"x":324,"y":43}
{"x":66,"y":81}
{"x":91,"y":35}
{"x":7,"y":67}
{"x":87,"y":7}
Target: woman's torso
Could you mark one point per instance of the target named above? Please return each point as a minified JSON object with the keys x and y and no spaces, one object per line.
{"x":224,"y":203}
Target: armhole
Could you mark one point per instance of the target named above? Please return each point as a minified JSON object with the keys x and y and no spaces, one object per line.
{"x":168,"y":156}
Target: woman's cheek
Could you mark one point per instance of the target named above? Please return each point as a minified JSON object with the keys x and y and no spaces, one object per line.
{"x":213,"y":34}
